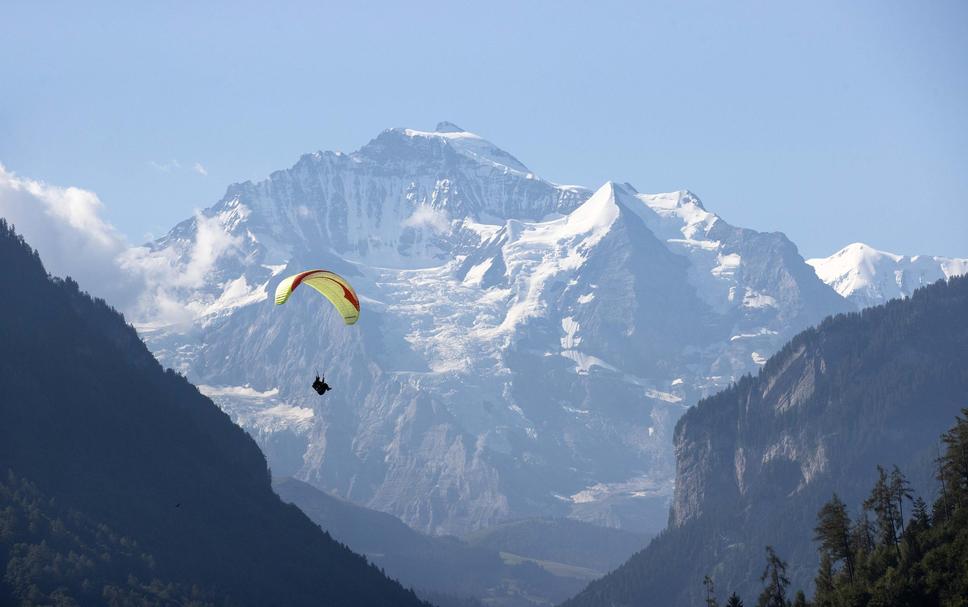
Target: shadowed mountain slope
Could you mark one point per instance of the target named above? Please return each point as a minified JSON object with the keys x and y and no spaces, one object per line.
{"x":756,"y":461}
{"x":138,"y":467}
{"x":445,"y":566}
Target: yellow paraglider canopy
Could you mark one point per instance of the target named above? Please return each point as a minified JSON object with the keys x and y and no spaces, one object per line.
{"x":333,"y":287}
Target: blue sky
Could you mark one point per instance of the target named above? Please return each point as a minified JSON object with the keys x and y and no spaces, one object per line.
{"x":833,"y":122}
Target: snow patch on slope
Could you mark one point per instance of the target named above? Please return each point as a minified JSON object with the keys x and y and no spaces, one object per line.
{"x":473,"y":146}
{"x":538,"y":252}
{"x":262,"y":411}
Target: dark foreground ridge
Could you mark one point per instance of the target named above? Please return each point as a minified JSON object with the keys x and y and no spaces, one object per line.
{"x":121,"y":484}
{"x":756,"y":462}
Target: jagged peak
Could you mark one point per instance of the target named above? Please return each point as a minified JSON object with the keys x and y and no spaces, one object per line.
{"x":598,"y":211}
{"x":688,"y":197}
{"x":859,"y":250}
{"x":619,"y":189}
{"x":448,"y":127}
{"x":625,"y":197}
{"x":677,"y":199}
{"x":868,"y":276}
{"x":465,"y":143}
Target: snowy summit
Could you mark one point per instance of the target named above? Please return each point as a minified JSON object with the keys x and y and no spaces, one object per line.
{"x":868,"y":277}
{"x":525,"y":348}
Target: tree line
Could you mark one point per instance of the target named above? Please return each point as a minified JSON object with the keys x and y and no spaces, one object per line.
{"x":898,"y":551}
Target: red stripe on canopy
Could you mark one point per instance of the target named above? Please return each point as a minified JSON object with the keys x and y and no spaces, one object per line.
{"x":299,"y":278}
{"x":346,"y":292}
{"x":349,"y":296}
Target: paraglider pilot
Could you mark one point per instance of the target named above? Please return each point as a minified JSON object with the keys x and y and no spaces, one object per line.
{"x":320,"y":386}
{"x":335,"y":289}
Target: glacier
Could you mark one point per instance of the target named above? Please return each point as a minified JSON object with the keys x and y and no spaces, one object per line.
{"x":524,"y":349}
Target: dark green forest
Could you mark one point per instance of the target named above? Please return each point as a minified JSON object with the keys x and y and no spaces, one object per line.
{"x":899,"y":550}
{"x":55,"y":555}
{"x":120,"y":484}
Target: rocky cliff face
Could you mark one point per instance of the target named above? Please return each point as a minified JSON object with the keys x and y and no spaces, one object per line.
{"x":719,"y":459}
{"x":524,"y":348}
{"x":756,"y":461}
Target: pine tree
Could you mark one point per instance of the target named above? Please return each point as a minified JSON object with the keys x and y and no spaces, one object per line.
{"x":775,"y":581}
{"x":921,"y":518}
{"x":944,"y":508}
{"x":862,"y":537}
{"x":734,"y":601}
{"x":900,"y":491}
{"x":711,"y":601}
{"x":881,"y":503}
{"x":954,"y":462}
{"x":833,"y":531}
{"x":800,"y":600}
{"x":824,"y":594}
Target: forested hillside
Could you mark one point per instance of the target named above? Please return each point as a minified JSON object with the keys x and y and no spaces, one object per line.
{"x":900,"y":549}
{"x":756,"y":462}
{"x":121,"y":484}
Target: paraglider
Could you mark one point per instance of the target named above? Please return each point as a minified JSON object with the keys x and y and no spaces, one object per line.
{"x":334,"y":288}
{"x":331,"y":285}
{"x":320,"y":386}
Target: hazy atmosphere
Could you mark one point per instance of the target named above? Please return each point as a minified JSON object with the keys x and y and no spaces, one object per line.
{"x":535,"y":304}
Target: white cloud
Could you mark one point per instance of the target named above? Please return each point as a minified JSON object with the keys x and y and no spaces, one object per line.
{"x":165,"y":167}
{"x":66,"y":228}
{"x":173,"y":166}
{"x":426,"y":215}
{"x":170,"y":276}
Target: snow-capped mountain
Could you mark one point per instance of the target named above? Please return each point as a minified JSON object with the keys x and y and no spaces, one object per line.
{"x":524,"y":348}
{"x":868,"y":277}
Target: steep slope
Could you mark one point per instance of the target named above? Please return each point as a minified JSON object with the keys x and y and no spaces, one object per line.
{"x":756,"y":461}
{"x":525,"y":349}
{"x":53,"y":554}
{"x":106,"y":439}
{"x":433,"y":565}
{"x":868,"y":277}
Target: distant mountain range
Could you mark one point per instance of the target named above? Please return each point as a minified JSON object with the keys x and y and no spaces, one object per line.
{"x":521,"y":563}
{"x":120,"y":484}
{"x":525,"y":348}
{"x":755,"y":462}
{"x":868,"y":277}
